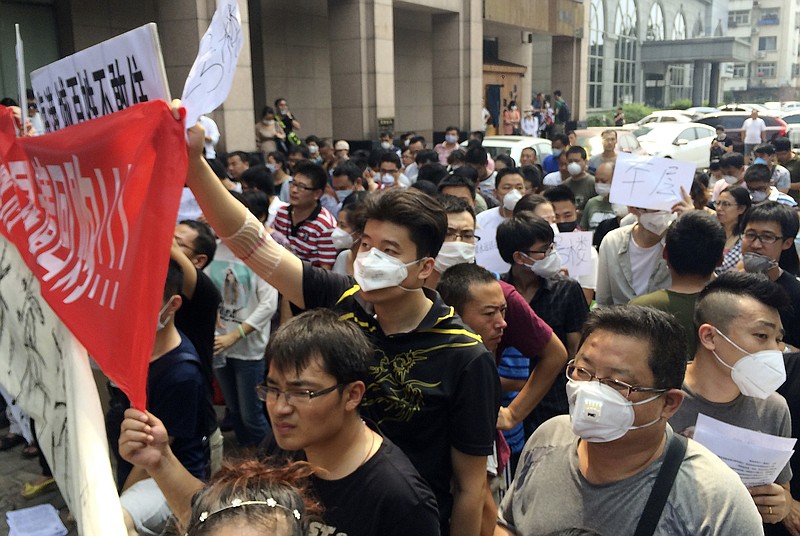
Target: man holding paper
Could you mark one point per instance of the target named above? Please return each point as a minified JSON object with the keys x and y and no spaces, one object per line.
{"x":736,"y":369}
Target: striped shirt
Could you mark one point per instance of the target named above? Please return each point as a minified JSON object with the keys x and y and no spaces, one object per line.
{"x":310,"y":239}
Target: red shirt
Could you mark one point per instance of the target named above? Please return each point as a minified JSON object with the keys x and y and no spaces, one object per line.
{"x":310,"y":239}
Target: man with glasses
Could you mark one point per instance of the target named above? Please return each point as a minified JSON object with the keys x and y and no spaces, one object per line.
{"x":526,"y":243}
{"x":316,"y":379}
{"x":769,"y":230}
{"x":594,"y":469}
{"x":736,"y":369}
{"x":389,"y":173}
{"x":305,"y":222}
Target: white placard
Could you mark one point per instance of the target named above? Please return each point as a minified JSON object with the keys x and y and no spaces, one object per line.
{"x":23,"y":97}
{"x":102,"y":79}
{"x":756,"y":457}
{"x":575,"y":251}
{"x":649,"y":181}
{"x":210,"y":79}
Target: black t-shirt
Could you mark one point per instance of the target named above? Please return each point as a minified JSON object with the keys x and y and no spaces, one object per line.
{"x":789,"y":318}
{"x":603,"y":228}
{"x":178,"y":394}
{"x":384,"y":497}
{"x":790,"y":390}
{"x":197,"y":319}
{"x":432,"y":389}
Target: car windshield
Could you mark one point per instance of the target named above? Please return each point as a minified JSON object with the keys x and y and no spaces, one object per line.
{"x":494,"y":151}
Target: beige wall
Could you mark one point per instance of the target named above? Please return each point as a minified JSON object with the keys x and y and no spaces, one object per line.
{"x":413,"y":62}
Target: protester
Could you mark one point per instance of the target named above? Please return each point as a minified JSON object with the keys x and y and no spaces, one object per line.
{"x":599,"y":208}
{"x":269,"y":133}
{"x":449,"y":145}
{"x":509,"y":188}
{"x":733,"y":203}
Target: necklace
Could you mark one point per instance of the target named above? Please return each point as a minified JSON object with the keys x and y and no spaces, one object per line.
{"x":371,"y":445}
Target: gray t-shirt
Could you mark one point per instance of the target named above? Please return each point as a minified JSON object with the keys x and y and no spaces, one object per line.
{"x":549,"y":493}
{"x":582,"y":188}
{"x":770,"y":416}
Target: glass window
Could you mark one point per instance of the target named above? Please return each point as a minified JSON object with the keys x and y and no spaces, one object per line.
{"x":740,"y":70}
{"x":655,"y":26}
{"x":596,"y":38}
{"x":768,"y":43}
{"x":625,"y":52}
{"x":738,"y":18}
{"x":766,"y":70}
{"x":679,"y":27}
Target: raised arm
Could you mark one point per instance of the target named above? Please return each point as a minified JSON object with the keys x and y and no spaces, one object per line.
{"x":239,"y":229}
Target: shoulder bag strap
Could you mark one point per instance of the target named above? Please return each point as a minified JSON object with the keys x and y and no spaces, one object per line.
{"x":663,"y":484}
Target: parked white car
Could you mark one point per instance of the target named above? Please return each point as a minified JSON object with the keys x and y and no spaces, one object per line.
{"x":665,"y":116}
{"x":513,"y":146}
{"x":792,"y":121}
{"x":690,"y":142}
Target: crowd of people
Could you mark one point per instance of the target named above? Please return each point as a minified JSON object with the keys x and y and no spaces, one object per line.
{"x":400,"y":350}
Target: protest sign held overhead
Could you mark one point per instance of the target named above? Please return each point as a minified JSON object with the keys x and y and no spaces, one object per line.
{"x":92,"y":212}
{"x":650,"y":182}
{"x":101,"y":79}
{"x":210,"y":79}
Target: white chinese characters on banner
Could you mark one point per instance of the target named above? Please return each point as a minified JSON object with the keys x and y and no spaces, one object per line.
{"x":102,"y":79}
{"x":650,"y":182}
{"x":210,"y":79}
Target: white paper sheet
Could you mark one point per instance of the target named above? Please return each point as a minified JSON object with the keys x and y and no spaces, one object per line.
{"x":650,"y":182}
{"x":756,"y":457}
{"x":210,"y":79}
{"x":41,"y":520}
{"x":575,"y":251}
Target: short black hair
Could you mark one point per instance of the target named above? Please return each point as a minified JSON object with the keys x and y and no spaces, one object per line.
{"x":757,"y":173}
{"x":668,"y":352}
{"x":456,"y":282}
{"x":267,"y":110}
{"x":302,"y":149}
{"x":467,"y":173}
{"x":735,"y":160}
{"x":353,"y":205}
{"x":455,"y":180}
{"x":315,"y":172}
{"x":505,"y":159}
{"x":765,"y":148}
{"x":454,"y":205}
{"x":772,"y":211}
{"x":174,"y":282}
{"x":278,"y":100}
{"x":694,"y":244}
{"x":741,"y":196}
{"x":718,"y":301}
{"x":205,"y":243}
{"x":425,"y":156}
{"x":433,"y":173}
{"x":419,"y":213}
{"x":279,"y":158}
{"x":477,"y":156}
{"x":520,"y":232}
{"x":505,"y":172}
{"x":260,"y":178}
{"x":349,"y":170}
{"x":533,"y":174}
{"x":417,"y":139}
{"x":782,"y":143}
{"x":559,"y":193}
{"x":425,"y":186}
{"x":258,"y":203}
{"x":448,"y":129}
{"x":390,"y":156}
{"x":563,"y":138}
{"x":577,"y":149}
{"x":458,"y":156}
{"x":344,"y":350}
{"x":241,"y":154}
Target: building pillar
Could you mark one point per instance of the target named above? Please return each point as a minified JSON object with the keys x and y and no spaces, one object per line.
{"x":448,"y":85}
{"x":713,"y":92}
{"x":697,"y":86}
{"x":607,"y":87}
{"x":566,"y":67}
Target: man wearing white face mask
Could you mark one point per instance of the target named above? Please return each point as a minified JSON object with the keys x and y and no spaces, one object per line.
{"x":449,"y":144}
{"x":596,"y":468}
{"x":630,"y":261}
{"x":731,"y":166}
{"x":580,"y":182}
{"x":509,"y":189}
{"x":736,"y":369}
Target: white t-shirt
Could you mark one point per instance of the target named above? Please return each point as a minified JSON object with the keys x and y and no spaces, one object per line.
{"x":486,"y":252}
{"x":753,"y":129}
{"x":643,"y":262}
{"x":552,"y":179}
{"x":590,"y":280}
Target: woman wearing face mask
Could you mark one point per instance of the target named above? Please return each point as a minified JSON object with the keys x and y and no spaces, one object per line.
{"x":269,"y":132}
{"x":526,"y":242}
{"x":511,"y":119}
{"x":276,"y":162}
{"x":347,"y":234}
{"x":732,"y":204}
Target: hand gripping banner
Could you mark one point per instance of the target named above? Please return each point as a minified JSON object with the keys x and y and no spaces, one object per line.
{"x":91,"y":209}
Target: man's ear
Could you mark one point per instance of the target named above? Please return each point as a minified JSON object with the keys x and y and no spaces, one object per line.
{"x":426,"y":268}
{"x":200,"y":260}
{"x":353,"y":394}
{"x":705,"y":335}
{"x":672,"y":401}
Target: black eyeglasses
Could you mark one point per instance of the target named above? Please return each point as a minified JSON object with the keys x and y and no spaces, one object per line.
{"x":580,"y":374}
{"x":766,"y":239}
{"x":464,"y":236}
{"x":300,"y":186}
{"x":539,"y":255}
{"x":293,"y":397}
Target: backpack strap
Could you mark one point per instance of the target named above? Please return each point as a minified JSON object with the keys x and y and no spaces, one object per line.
{"x":662,"y":486}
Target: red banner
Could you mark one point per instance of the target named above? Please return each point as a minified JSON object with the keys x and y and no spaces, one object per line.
{"x":91,"y":209}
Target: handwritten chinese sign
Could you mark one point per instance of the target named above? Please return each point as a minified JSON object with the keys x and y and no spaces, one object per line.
{"x":650,"y":182}
{"x":102,"y":79}
{"x":575,"y":250}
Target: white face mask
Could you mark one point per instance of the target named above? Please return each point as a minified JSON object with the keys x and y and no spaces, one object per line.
{"x":452,"y":253}
{"x":341,"y":195}
{"x":385,"y":145}
{"x":758,"y":196}
{"x":603,"y":189}
{"x":273,"y":167}
{"x":755,"y":263}
{"x":656,"y":222}
{"x":161,"y":324}
{"x":547,"y":267}
{"x":730,"y":179}
{"x":600,"y":414}
{"x":757,"y":375}
{"x":574,"y":169}
{"x":313,"y":149}
{"x":341,"y":238}
{"x":374,"y":270}
{"x":511,"y":199}
{"x":387,"y":179}
{"x":620,"y":210}
{"x":450,"y":138}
